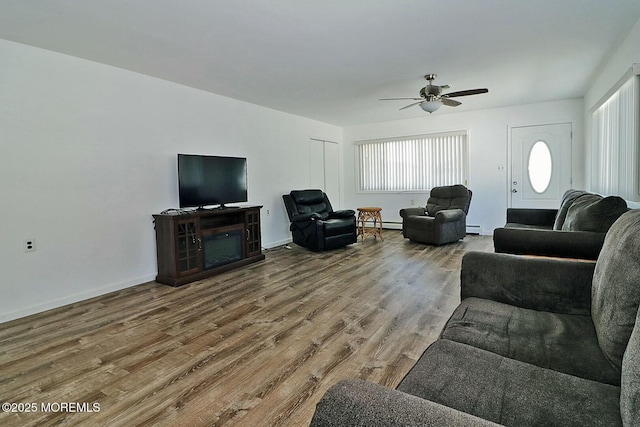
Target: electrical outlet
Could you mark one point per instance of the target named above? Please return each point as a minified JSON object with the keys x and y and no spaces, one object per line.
{"x":267,"y":211}
{"x":29,"y":245}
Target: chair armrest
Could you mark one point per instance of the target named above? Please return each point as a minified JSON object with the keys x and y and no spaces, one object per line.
{"x":406,"y":212}
{"x":555,"y":243}
{"x":450,"y":215}
{"x":359,"y":403}
{"x":532,"y":216}
{"x":306,"y":217}
{"x":345,"y":213}
{"x":546,"y":284}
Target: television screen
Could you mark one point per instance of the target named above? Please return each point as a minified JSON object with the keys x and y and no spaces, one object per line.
{"x":211,"y":180}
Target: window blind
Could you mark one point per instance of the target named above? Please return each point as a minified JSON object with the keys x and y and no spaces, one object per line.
{"x":415,"y":163}
{"x":614,"y":145}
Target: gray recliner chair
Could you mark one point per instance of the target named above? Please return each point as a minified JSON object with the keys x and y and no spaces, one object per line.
{"x":443,"y":220}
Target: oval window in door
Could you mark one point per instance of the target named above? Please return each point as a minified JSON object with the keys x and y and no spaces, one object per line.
{"x":539,"y":167}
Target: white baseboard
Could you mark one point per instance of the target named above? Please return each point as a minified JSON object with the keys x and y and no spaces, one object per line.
{"x":277,"y":243}
{"x":471,"y":229}
{"x":70,"y":299}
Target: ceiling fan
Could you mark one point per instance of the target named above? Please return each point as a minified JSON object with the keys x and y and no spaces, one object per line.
{"x":432,"y":98}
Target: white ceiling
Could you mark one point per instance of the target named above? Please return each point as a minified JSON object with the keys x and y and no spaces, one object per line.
{"x":331,"y":60}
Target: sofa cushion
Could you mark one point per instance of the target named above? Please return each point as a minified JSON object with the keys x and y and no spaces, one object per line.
{"x":561,"y":342}
{"x":448,"y":197}
{"x":591,"y":212}
{"x":508,"y":391}
{"x":567,"y":200}
{"x":630,"y":390}
{"x":615,"y":293}
{"x":365,"y":404}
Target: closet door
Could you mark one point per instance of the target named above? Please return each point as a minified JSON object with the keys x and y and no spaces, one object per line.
{"x":316,"y":164}
{"x":324,"y":169}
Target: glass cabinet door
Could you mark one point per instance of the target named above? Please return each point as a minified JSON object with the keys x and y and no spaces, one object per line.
{"x":188,"y":246}
{"x":253,"y":232}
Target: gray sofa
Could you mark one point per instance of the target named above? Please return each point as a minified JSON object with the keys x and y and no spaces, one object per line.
{"x":575,"y":230}
{"x":535,"y":341}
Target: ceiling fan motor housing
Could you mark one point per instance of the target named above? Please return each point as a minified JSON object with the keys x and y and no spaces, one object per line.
{"x":430,"y":90}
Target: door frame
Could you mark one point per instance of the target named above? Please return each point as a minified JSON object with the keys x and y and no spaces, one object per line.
{"x":509,"y":159}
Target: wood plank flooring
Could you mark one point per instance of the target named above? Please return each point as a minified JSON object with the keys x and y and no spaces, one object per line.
{"x":256,"y":346}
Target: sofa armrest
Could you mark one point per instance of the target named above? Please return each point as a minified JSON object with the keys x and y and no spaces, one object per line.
{"x":450,"y":215}
{"x":544,"y":217}
{"x":359,"y":403}
{"x":556,"y":243}
{"x":406,"y":212}
{"x":545,"y":284}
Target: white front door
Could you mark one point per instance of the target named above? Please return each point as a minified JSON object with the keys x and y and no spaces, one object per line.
{"x":540,"y":165}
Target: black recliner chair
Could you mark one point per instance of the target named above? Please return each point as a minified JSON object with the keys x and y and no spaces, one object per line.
{"x":314,"y":223}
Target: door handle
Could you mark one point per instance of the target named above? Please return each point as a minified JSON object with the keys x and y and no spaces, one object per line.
{"x":514,"y":190}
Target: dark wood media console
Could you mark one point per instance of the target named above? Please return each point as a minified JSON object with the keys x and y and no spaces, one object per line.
{"x":192,"y":246}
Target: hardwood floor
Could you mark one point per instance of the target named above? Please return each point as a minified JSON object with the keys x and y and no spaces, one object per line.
{"x":256,"y":346}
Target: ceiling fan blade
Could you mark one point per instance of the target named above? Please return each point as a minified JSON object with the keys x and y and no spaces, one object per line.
{"x":465,"y":93}
{"x":398,"y":99}
{"x":450,"y":102}
{"x":411,"y":105}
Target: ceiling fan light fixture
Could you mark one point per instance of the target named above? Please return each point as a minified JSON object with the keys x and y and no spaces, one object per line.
{"x":432,"y":98}
{"x":430,"y":106}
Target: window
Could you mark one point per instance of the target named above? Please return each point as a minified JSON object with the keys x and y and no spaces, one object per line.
{"x":540,"y":167}
{"x":614,"y":143}
{"x":416,"y":163}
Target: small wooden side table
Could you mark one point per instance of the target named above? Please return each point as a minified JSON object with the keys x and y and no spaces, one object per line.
{"x":370,"y":214}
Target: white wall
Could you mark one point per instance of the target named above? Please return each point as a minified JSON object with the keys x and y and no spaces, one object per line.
{"x":489,"y":132}
{"x":616,"y":65}
{"x":89,"y":154}
{"x":611,"y":71}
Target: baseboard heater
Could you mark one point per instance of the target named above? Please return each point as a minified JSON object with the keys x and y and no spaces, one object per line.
{"x":474,"y":229}
{"x":392,"y":225}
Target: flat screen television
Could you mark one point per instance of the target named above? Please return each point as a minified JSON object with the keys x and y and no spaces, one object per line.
{"x":211,"y":180}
